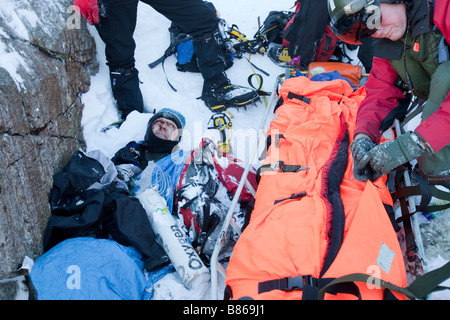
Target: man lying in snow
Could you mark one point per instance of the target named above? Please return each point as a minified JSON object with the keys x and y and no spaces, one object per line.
{"x":93,"y":199}
{"x":191,"y":183}
{"x":160,"y":145}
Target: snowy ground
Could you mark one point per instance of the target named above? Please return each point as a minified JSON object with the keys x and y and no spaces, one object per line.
{"x":152,"y":39}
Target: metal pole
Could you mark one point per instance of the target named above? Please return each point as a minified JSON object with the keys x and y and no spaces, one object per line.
{"x":412,"y":208}
{"x":222,"y":235}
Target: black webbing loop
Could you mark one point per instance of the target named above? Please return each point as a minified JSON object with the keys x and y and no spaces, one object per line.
{"x":258,"y":88}
{"x":309,"y":285}
{"x":280,"y":167}
{"x":286,"y":284}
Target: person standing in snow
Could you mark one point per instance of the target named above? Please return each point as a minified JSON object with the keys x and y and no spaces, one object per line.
{"x":115,"y":21}
{"x":412,"y":46}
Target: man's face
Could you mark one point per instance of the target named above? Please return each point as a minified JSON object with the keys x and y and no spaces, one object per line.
{"x":165,"y":129}
{"x":393,"y":21}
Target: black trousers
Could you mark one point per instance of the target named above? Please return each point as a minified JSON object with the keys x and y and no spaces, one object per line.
{"x":307,"y":30}
{"x":116,"y":30}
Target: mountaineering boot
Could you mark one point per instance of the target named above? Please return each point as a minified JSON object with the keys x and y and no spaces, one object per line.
{"x":279,"y":55}
{"x":126,"y":92}
{"x":218,"y":94}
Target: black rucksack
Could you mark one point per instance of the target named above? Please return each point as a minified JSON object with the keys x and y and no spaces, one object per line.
{"x":181,"y":44}
{"x":273,"y":26}
{"x":184,"y":50}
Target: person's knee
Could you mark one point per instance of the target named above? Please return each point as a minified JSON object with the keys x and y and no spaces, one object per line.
{"x":203,"y":21}
{"x":440,"y":83}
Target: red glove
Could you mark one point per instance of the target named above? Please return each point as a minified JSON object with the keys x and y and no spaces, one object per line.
{"x":88,"y":10}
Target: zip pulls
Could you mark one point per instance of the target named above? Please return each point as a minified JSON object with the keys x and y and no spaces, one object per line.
{"x":294,"y":196}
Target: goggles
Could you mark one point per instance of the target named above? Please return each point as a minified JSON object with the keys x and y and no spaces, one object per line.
{"x":351,"y":26}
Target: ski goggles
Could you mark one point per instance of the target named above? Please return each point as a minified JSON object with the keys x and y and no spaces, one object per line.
{"x":352,"y":27}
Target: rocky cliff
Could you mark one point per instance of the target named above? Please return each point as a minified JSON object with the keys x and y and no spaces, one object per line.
{"x":46,"y":58}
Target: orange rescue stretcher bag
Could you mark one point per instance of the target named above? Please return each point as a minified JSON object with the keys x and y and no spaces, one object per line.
{"x":313,"y":222}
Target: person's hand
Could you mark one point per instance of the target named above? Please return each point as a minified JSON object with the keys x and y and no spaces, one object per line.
{"x":359,"y":148}
{"x":391,"y":154}
{"x":88,"y":9}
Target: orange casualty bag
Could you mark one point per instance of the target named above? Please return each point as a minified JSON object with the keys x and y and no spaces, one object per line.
{"x":312,"y":221}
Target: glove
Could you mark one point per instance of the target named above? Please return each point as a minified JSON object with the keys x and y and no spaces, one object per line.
{"x":389,"y":155}
{"x":127,"y":171}
{"x":359,"y":149}
{"x":88,"y":10}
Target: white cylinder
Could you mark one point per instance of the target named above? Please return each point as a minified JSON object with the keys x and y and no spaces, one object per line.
{"x":187,"y":263}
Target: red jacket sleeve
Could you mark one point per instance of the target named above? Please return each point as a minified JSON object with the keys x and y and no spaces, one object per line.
{"x":381,"y":97}
{"x":436,"y":128}
{"x":441,"y":12}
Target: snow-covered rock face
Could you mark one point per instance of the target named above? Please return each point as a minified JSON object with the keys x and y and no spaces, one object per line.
{"x":46,"y":52}
{"x":436,"y":240}
{"x":46,"y":59}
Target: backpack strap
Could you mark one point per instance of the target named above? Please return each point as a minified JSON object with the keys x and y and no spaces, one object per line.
{"x":182,"y":37}
{"x":309,"y":285}
{"x":287,"y":284}
{"x":419,"y":289}
{"x":269,"y":143}
{"x":425,"y":190}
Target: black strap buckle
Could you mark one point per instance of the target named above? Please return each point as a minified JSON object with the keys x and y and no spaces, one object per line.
{"x":286,"y":284}
{"x":298,"y":283}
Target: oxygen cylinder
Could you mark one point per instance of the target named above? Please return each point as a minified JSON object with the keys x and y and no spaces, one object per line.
{"x":187,"y":263}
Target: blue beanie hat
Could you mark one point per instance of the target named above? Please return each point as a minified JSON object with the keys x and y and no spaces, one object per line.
{"x":166,"y":113}
{"x":170,"y":114}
